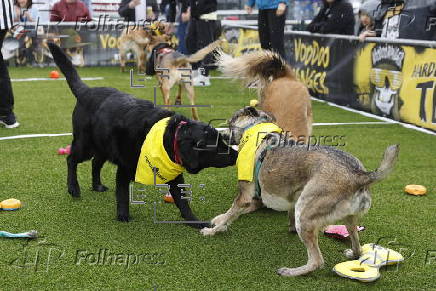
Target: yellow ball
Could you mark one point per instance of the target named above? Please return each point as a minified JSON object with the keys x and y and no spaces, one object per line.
{"x":254,"y":102}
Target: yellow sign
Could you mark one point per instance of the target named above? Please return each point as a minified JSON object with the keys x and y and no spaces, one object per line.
{"x":398,"y":82}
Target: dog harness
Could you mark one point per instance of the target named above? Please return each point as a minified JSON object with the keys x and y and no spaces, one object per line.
{"x":154,"y":164}
{"x":248,"y":145}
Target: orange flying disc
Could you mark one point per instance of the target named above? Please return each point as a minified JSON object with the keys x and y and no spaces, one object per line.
{"x":417,"y":190}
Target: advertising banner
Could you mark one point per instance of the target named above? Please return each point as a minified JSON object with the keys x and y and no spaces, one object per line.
{"x":392,"y":79}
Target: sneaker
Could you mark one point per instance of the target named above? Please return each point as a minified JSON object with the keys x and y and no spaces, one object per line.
{"x":9,"y":121}
{"x":201,"y":81}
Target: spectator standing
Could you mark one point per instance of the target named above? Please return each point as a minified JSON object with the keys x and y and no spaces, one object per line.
{"x":25,"y":11}
{"x":203,"y":29}
{"x":7,"y":116}
{"x":182,"y":18}
{"x":271,"y":23}
{"x":69,"y":10}
{"x":127,"y":9}
{"x":336,"y":17}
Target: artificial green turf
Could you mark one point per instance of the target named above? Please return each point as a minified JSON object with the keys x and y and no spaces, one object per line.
{"x":245,"y":257}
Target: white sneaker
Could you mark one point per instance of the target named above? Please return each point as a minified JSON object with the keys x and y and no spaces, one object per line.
{"x":194,"y":74}
{"x":201,"y":81}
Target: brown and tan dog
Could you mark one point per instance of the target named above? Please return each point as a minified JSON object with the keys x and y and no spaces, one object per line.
{"x":175,"y":68}
{"x":136,"y":39}
{"x":317,"y":185}
{"x":140,"y":39}
{"x":278,"y":88}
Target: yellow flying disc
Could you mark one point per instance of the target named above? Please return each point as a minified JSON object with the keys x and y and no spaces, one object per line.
{"x":416,"y":190}
{"x":357,"y":271}
{"x":10,"y":204}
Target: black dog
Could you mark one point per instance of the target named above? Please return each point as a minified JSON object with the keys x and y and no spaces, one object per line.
{"x":112,"y":125}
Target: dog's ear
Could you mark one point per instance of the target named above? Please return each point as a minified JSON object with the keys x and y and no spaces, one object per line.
{"x":190,"y":156}
{"x":251,"y":111}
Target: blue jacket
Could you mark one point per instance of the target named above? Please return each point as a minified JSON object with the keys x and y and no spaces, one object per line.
{"x":266,"y":4}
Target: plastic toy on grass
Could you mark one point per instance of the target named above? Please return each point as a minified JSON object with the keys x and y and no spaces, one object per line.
{"x":10,"y":204}
{"x":29,"y":234}
{"x":416,"y":190}
{"x":64,"y":151}
{"x":54,"y":74}
{"x":366,"y":268}
{"x":339,"y":231}
{"x":168,"y":198}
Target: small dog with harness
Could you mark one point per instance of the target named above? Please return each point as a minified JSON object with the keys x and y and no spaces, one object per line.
{"x":147,"y":143}
{"x":175,"y":68}
{"x":317,"y":185}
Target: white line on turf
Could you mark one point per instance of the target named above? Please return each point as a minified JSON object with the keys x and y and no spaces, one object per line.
{"x":367,"y":114}
{"x":385,"y":121}
{"x":50,"y":79}
{"x":218,"y":128}
{"x":33,"y":135}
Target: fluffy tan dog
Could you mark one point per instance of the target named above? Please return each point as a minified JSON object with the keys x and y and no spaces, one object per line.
{"x":281,"y":94}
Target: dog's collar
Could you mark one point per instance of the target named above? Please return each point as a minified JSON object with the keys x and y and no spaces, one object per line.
{"x":176,"y":149}
{"x":263,"y":120}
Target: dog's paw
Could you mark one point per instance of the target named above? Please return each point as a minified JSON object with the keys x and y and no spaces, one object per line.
{"x":123,"y":218}
{"x":287,"y":272}
{"x":349,"y":253}
{"x":74,"y":191}
{"x":292,"y":229}
{"x":219,"y":219}
{"x":207,"y":231}
{"x":199,"y":225}
{"x":100,"y":188}
{"x":293,"y":272}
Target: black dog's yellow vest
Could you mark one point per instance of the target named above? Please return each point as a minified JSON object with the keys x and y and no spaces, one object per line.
{"x":154,"y":160}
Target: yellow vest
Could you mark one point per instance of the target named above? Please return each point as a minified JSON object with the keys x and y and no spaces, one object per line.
{"x":248,"y":145}
{"x":154,"y":155}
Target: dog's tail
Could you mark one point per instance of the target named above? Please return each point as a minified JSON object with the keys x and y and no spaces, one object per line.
{"x":67,"y":68}
{"x":385,"y":168}
{"x":257,"y":65}
{"x":199,"y":55}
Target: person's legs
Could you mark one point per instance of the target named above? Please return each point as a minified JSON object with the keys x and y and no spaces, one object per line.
{"x":277,"y":31}
{"x":206,"y":34}
{"x":6,"y":96}
{"x":191,"y":40}
{"x":7,"y":116}
{"x":181,"y":35}
{"x":263,"y":28}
